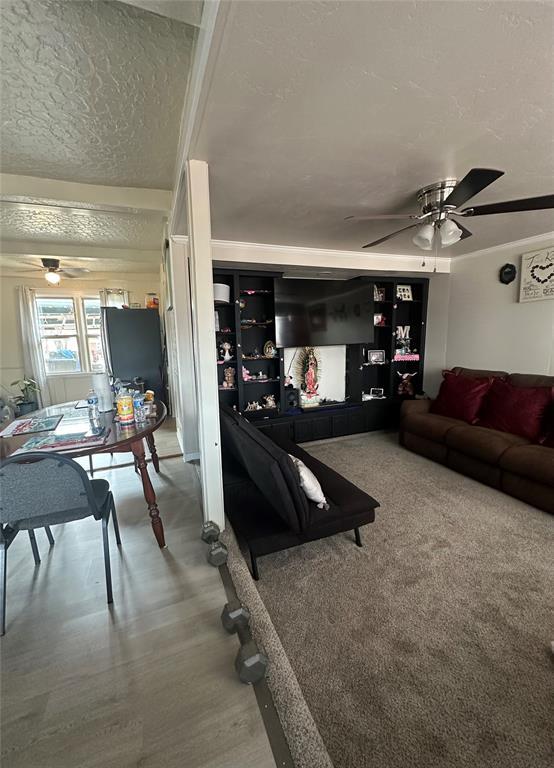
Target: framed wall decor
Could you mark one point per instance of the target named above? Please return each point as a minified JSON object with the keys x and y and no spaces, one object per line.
{"x":404,"y":293}
{"x":537,"y":275}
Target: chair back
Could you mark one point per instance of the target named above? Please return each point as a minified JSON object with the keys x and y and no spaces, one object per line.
{"x":36,"y":484}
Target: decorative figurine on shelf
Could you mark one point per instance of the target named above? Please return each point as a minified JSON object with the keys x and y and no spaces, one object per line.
{"x":311,"y":384}
{"x":225,"y":351}
{"x":269,"y":401}
{"x":261,"y":376}
{"x":288,"y":381}
{"x":242,"y":303}
{"x":229,"y":377}
{"x":254,"y":406}
{"x":379,"y":320}
{"x":246,"y":375}
{"x":405,"y":386}
{"x":269,"y":349}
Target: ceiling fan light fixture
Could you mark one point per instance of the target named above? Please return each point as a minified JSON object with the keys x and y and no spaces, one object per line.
{"x":423,"y":238}
{"x":52,"y":277}
{"x":450,"y":233}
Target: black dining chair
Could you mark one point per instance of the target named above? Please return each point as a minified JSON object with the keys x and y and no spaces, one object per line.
{"x":42,"y":489}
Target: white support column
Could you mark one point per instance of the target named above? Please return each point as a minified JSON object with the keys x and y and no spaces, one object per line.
{"x":203,"y":328}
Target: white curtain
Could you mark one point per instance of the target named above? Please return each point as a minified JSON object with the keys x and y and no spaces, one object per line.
{"x":114,"y":297}
{"x":33,"y":360}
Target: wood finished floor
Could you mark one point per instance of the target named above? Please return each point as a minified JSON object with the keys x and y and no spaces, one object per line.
{"x":149,"y":682}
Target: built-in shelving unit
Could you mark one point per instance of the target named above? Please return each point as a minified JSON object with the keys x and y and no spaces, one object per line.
{"x":252,"y":299}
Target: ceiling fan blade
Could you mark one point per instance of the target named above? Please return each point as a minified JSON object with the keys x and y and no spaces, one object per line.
{"x":472,"y":183}
{"x":387,"y":237}
{"x":72,"y":272}
{"x":385,"y":216}
{"x":512,"y":206}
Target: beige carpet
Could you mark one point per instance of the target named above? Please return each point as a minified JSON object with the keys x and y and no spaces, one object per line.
{"x":430,"y":646}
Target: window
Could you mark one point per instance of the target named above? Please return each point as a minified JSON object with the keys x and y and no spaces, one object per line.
{"x":91,"y":309}
{"x":58,"y":331}
{"x":70,"y":334}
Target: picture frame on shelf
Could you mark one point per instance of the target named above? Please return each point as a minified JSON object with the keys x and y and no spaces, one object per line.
{"x":404,"y":293}
{"x":379,"y":320}
{"x":376,"y":356}
{"x":376,"y":393}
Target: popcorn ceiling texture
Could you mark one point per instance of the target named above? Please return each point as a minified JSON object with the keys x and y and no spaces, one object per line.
{"x":92,"y":91}
{"x":341,"y":108}
{"x":81,"y":227}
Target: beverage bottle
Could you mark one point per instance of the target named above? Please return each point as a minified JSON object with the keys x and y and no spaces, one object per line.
{"x":138,"y":406}
{"x":92,"y":401}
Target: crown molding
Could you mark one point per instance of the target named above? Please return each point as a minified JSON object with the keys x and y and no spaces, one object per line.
{"x":536,"y":241}
{"x":294,"y":256}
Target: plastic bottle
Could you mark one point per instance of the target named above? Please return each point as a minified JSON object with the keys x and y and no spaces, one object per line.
{"x":92,"y":401}
{"x":138,"y":406}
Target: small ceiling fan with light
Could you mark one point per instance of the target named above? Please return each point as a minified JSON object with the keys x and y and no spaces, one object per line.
{"x":53,"y":273}
{"x":440,"y":201}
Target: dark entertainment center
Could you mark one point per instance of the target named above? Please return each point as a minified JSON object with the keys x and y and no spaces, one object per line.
{"x":248,"y":321}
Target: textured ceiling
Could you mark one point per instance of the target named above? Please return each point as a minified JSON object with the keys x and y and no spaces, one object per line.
{"x":319,"y":110}
{"x":70,"y":226}
{"x":92,"y":91}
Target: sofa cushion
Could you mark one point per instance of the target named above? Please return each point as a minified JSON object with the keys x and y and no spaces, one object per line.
{"x":535,"y":462}
{"x":288,"y":470}
{"x":488,"y":445}
{"x":430,"y":425}
{"x":515,"y":409}
{"x":262,"y":467}
{"x":530,"y":380}
{"x":460,"y":397}
{"x":479,"y":374}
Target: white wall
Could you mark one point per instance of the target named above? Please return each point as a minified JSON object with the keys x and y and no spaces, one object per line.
{"x":487,"y":326}
{"x":67,"y":386}
{"x":437,"y":332}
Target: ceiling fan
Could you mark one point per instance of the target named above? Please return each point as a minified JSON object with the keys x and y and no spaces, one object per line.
{"x":440,"y":201}
{"x":53,"y":273}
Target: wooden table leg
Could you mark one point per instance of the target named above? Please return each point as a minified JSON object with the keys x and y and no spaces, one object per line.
{"x":157,"y":526}
{"x":153,"y":452}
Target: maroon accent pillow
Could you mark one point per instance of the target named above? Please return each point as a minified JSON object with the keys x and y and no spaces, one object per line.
{"x":460,"y":396}
{"x":518,"y":410}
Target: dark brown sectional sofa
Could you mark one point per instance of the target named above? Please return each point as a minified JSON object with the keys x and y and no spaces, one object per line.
{"x":499,"y":459}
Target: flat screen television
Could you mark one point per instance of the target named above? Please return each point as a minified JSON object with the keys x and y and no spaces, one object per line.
{"x":323,"y":312}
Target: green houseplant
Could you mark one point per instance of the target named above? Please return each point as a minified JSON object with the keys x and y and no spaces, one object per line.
{"x":27,"y":400}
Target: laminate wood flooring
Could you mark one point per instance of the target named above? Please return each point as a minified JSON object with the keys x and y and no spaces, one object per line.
{"x":149,"y":682}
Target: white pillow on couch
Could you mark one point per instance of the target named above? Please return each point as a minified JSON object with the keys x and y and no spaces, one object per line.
{"x":309,"y":483}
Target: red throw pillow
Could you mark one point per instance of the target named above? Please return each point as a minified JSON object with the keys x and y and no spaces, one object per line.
{"x":460,"y":397}
{"x":519,"y":410}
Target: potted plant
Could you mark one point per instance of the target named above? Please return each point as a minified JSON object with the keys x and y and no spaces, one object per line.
{"x":27,"y":400}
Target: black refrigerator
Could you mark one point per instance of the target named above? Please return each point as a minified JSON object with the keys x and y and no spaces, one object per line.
{"x":132,"y":343}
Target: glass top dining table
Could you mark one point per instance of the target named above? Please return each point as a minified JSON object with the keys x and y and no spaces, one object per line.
{"x":120,"y":438}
